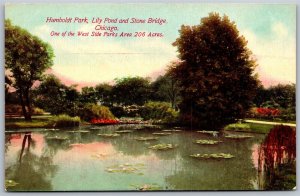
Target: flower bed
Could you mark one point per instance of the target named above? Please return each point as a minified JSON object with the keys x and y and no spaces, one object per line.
{"x":104,"y":121}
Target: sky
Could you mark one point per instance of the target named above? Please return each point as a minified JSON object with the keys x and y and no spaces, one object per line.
{"x":270,"y":30}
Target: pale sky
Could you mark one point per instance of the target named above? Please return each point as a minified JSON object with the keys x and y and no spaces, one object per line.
{"x":269,"y":29}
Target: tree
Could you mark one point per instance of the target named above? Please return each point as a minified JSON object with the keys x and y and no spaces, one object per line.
{"x":131,"y":90}
{"x":104,"y":93}
{"x":166,"y":88}
{"x":26,"y":58}
{"x":55,"y":97}
{"x":215,"y":73}
{"x":88,"y":95}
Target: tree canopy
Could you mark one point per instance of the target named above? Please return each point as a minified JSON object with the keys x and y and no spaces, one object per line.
{"x":215,"y":73}
{"x":26,"y":59}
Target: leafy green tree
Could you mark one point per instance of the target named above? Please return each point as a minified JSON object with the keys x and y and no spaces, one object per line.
{"x":131,"y":90}
{"x":26,"y":58}
{"x":55,"y":97}
{"x":215,"y":73}
{"x":104,"y":93}
{"x":166,"y":88}
{"x":88,"y":95}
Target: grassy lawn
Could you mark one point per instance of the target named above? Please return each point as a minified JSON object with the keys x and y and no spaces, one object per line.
{"x":42,"y":122}
{"x":249,"y":127}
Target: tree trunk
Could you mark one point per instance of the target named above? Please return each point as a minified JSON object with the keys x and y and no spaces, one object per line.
{"x":22,"y":103}
{"x":28,"y":104}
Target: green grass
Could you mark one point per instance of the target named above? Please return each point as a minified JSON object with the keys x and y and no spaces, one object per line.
{"x":249,"y":127}
{"x":43,"y":122}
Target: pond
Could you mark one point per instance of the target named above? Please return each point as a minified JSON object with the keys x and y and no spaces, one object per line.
{"x":100,"y":159}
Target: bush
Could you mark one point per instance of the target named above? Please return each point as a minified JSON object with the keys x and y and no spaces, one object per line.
{"x":159,"y":111}
{"x":65,"y":121}
{"x":92,"y":111}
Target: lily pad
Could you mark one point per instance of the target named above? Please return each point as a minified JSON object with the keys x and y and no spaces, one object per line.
{"x":208,"y":142}
{"x":146,"y":138}
{"x":81,"y":131}
{"x":124,"y":131}
{"x":162,"y":147}
{"x":51,"y":129}
{"x":125,"y":168}
{"x":56,"y":138}
{"x":109,"y":135}
{"x":171,"y":130}
{"x":10,"y":183}
{"x":209,"y":132}
{"x":213,"y":156}
{"x":238,"y":136}
{"x":147,"y":187}
{"x":161,"y":133}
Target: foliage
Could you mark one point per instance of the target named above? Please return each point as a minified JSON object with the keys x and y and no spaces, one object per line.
{"x":26,"y":59}
{"x":166,"y":88}
{"x":277,"y":158}
{"x":88,"y":95}
{"x":55,"y":97}
{"x":104,"y":94}
{"x":64,"y":120}
{"x":215,"y":73}
{"x":92,"y":111}
{"x":159,"y":111}
{"x":17,"y":110}
{"x":131,"y":91}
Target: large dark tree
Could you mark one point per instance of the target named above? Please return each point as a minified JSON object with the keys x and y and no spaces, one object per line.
{"x":55,"y":97}
{"x":131,"y":90}
{"x":26,"y":59}
{"x":216,"y":73}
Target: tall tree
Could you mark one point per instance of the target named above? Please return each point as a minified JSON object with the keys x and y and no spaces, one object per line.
{"x":104,"y":93}
{"x":55,"y":97}
{"x":26,"y":58}
{"x":131,"y":90}
{"x":216,"y":73}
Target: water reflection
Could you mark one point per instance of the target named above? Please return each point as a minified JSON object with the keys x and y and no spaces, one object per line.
{"x":30,"y":171}
{"x":277,"y":159}
{"x":63,"y":160}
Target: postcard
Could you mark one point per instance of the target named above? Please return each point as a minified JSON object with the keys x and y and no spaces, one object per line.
{"x":150,"y":97}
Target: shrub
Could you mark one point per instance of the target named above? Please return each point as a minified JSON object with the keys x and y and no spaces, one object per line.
{"x":64,"y":120}
{"x":92,"y":111}
{"x":159,"y":111}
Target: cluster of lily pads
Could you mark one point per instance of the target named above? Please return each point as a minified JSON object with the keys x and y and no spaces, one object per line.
{"x":213,"y":156}
{"x":146,"y":138}
{"x":209,"y":132}
{"x":79,"y":131}
{"x":56,"y":138}
{"x":238,"y":136}
{"x":108,"y":134}
{"x":171,"y":130}
{"x":10,"y":183}
{"x":208,"y":142}
{"x":162,"y":147}
{"x":161,"y":133}
{"x":126,"y":168}
{"x":124,"y":131}
{"x":147,"y":187}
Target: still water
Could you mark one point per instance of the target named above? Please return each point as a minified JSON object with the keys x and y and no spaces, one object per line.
{"x":82,"y":160}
